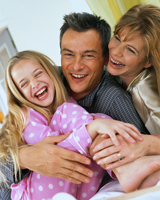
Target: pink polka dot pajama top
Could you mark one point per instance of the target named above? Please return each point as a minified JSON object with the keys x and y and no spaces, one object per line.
{"x":69,"y":117}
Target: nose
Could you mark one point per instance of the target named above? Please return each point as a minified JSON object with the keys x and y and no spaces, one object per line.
{"x":77,"y":65}
{"x":34,"y":83}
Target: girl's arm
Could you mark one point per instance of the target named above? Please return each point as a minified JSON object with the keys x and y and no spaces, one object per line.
{"x":83,"y":128}
{"x":110,"y":128}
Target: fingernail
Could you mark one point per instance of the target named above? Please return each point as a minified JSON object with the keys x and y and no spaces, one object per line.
{"x":87,"y":162}
{"x":94,"y":157}
{"x":90,"y":174}
{"x":94,"y":150}
{"x":107,"y":168}
{"x":99,"y":162}
{"x":78,"y":182}
{"x":86,"y":180}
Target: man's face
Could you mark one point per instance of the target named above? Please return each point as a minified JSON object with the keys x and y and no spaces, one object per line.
{"x":82,"y":61}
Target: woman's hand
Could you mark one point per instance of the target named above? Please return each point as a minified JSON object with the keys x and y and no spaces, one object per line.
{"x":105,"y":153}
{"x":48,"y":159}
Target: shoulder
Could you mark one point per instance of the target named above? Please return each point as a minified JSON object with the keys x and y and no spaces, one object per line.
{"x":111,"y":89}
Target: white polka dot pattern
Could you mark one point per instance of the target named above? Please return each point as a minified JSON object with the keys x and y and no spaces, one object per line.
{"x":67,"y":118}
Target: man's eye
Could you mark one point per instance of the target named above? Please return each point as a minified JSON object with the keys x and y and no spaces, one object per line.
{"x":89,"y":55}
{"x":68,"y":54}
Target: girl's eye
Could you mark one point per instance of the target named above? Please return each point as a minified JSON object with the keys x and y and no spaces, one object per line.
{"x":37,"y":74}
{"x":24,"y":84}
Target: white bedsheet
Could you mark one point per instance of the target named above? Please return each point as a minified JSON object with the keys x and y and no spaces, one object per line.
{"x":113,"y":190}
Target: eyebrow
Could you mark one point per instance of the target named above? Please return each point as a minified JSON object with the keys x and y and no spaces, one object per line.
{"x":65,"y":49}
{"x":87,"y":51}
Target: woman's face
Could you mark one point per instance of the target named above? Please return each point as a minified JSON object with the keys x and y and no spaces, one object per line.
{"x":127,"y":58}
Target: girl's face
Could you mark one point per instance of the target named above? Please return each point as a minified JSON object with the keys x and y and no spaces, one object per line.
{"x":127,"y":58}
{"x":33,"y":82}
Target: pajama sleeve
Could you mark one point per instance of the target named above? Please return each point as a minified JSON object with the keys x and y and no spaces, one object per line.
{"x":72,"y":118}
{"x":69,"y":117}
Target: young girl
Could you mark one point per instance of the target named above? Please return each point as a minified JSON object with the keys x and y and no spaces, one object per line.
{"x":39,"y":108}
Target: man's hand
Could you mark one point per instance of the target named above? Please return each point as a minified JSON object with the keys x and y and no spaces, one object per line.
{"x":48,"y":159}
{"x":105,"y":153}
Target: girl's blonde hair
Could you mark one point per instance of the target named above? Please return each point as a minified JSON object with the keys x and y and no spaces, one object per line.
{"x":144,"y":20}
{"x":16,"y":120}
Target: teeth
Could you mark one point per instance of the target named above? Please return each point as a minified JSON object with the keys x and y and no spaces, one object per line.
{"x":117,"y":63}
{"x":40,"y":92}
{"x":78,"y":76}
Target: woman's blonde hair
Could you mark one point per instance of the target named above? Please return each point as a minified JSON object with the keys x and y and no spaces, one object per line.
{"x":144,"y":20}
{"x":16,"y":119}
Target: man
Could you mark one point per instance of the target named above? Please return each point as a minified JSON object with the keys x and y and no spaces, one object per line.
{"x":84,"y":42}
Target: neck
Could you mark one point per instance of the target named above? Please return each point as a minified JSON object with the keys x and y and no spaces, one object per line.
{"x":126,"y":82}
{"x":77,"y":96}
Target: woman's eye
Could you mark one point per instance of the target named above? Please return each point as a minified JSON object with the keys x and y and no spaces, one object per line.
{"x":131,"y":50}
{"x":117,"y":38}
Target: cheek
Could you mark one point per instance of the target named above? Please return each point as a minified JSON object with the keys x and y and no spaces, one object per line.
{"x":111,"y":44}
{"x":26,"y":93}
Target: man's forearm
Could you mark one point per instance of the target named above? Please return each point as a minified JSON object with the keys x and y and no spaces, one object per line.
{"x":48,"y":159}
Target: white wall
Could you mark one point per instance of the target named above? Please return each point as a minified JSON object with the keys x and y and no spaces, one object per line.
{"x":35,"y":24}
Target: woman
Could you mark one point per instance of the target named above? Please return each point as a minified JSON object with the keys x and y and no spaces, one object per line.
{"x":134,"y":57}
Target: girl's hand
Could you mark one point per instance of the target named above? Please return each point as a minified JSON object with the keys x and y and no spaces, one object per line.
{"x":111,"y":128}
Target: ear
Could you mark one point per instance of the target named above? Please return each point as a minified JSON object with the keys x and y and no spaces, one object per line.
{"x":106,"y":58}
{"x":148,"y":64}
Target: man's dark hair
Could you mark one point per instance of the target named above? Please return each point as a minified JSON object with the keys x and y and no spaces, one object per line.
{"x":82,"y":22}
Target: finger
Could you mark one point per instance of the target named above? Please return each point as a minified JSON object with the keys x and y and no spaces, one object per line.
{"x":107,"y":160}
{"x":78,"y":169}
{"x":59,"y":138}
{"x":73,"y":156}
{"x":106,"y":152}
{"x":114,"y":139}
{"x":95,"y":142}
{"x":73,"y":176}
{"x":133,"y":128}
{"x":117,"y":164}
{"x":130,"y":135}
{"x":68,"y":178}
{"x":104,"y":144}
